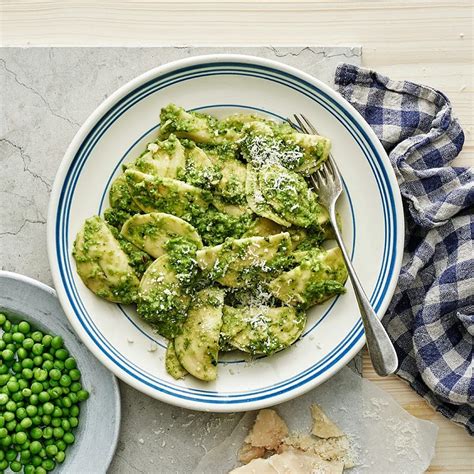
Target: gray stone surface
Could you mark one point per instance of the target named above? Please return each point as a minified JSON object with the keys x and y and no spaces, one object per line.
{"x":46,"y":93}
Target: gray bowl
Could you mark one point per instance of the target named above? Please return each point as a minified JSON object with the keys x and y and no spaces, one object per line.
{"x":97,"y":434}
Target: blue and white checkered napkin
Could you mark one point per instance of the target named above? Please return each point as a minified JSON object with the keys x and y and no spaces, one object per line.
{"x":431,"y":316}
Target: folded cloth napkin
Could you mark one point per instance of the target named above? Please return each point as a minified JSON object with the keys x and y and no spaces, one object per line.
{"x":431,"y":317}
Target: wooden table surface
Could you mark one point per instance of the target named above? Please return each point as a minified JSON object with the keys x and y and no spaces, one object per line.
{"x":425,"y":41}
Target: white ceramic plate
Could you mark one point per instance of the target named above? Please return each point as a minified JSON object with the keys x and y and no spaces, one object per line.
{"x":117,"y":132}
{"x":97,"y":434}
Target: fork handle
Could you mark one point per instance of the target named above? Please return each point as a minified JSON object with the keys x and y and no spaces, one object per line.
{"x":381,"y":350}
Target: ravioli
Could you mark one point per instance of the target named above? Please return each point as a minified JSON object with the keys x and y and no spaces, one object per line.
{"x":239,"y":262}
{"x":320,"y":276}
{"x":197,"y":346}
{"x":261,"y":330}
{"x":162,"y":299}
{"x":151,"y":232}
{"x":102,"y":264}
{"x":154,"y":193}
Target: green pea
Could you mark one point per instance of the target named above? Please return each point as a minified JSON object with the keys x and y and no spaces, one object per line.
{"x":21,"y":413}
{"x":58,"y":433}
{"x":55,"y":374}
{"x":3,"y":344}
{"x":36,"y":460}
{"x":34,"y":397}
{"x":37,"y":349}
{"x":28,"y":343}
{"x":48,"y":408}
{"x":46,"y":419}
{"x":36,"y":387}
{"x":7,"y":354}
{"x":69,"y":438}
{"x":56,"y":392}
{"x":38,"y":360}
{"x":27,"y":363}
{"x":25,"y":456}
{"x":48,"y":432}
{"x":75,"y":387}
{"x":23,"y":384}
{"x":27,"y":374}
{"x":22,"y":353}
{"x":17,"y":396}
{"x":60,"y":457}
{"x":24,"y":327}
{"x":4,"y":398}
{"x":65,"y":425}
{"x":65,"y":381}
{"x":70,"y":363}
{"x":37,"y":336}
{"x":62,"y":354}
{"x":59,"y":364}
{"x":51,"y":450}
{"x":11,"y":405}
{"x":3,"y":319}
{"x":57,"y":412}
{"x":82,"y":395}
{"x":7,"y":337}
{"x":7,"y":441}
{"x":48,"y":464}
{"x":15,"y":466}
{"x":31,"y":410}
{"x":73,"y":397}
{"x":3,"y":464}
{"x":20,"y":437}
{"x":75,"y":374}
{"x":36,"y":433}
{"x":11,"y":425}
{"x":66,"y":402}
{"x":2,"y":421}
{"x":26,"y":423}
{"x":7,"y":325}
{"x":13,"y":386}
{"x":16,"y":367}
{"x":48,"y":357}
{"x":40,"y":374}
{"x":57,"y":342}
{"x":3,"y":432}
{"x":56,"y":422}
{"x":47,"y":364}
{"x":37,"y":420}
{"x":18,"y":337}
{"x":66,"y":411}
{"x":8,"y":416}
{"x":3,"y":368}
{"x":29,"y":469}
{"x":74,"y":410}
{"x":11,"y":455}
{"x":46,"y":341}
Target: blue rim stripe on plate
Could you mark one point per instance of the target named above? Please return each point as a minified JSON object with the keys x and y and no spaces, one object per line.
{"x":234,"y":72}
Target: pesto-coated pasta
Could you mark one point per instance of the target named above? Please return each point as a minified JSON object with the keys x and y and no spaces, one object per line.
{"x":214,"y":233}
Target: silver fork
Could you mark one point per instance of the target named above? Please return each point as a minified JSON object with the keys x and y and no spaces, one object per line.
{"x":328,"y":184}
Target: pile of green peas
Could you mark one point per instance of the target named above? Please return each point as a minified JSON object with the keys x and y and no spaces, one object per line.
{"x":40,"y":393}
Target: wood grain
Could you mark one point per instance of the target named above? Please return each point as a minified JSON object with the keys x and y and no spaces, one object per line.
{"x":430,"y":42}
{"x":454,"y":448}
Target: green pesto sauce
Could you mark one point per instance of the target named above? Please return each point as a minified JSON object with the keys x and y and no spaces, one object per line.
{"x":116,"y":217}
{"x":165,"y":309}
{"x":215,"y":227}
{"x":182,"y":256}
{"x":137,"y":259}
{"x":204,"y":178}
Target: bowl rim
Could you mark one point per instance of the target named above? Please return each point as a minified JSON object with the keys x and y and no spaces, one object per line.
{"x":118,"y":409}
{"x":74,"y":147}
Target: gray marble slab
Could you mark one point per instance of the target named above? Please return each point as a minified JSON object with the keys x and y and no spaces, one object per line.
{"x":46,"y":93}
